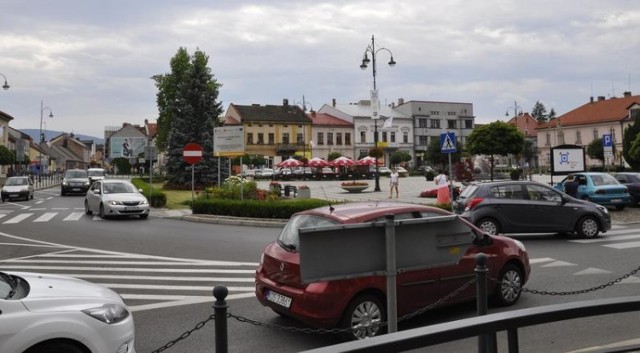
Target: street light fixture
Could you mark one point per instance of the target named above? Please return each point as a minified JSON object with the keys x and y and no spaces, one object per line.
{"x":42,"y":109}
{"x":6,"y":85}
{"x":515,"y":115}
{"x":371,"y":49}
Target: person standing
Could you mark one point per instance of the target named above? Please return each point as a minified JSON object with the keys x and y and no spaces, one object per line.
{"x":442,"y":183}
{"x":570,"y":186}
{"x":393,"y":183}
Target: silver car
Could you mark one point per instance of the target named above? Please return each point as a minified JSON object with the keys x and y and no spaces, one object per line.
{"x":17,"y":187}
{"x":111,"y":198}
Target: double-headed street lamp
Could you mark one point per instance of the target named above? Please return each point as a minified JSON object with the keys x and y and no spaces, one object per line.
{"x":515,"y":115}
{"x":6,"y":85}
{"x":371,"y":49}
{"x":42,"y":109}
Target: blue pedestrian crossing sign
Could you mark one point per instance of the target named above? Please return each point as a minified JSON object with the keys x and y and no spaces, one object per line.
{"x":448,"y":142}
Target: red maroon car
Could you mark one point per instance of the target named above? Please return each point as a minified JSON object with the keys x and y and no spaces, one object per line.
{"x":359,"y":303}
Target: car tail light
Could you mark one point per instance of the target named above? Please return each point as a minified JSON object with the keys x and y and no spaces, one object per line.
{"x":473,"y":203}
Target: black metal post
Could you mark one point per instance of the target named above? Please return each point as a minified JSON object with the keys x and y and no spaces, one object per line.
{"x":487,"y":343}
{"x":375,"y":144}
{"x":220,"y":310}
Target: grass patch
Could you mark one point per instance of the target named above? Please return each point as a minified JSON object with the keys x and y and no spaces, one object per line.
{"x":175,"y":198}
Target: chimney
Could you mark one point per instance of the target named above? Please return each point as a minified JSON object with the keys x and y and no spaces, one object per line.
{"x":627,"y":93}
{"x":591,"y":99}
{"x":333,"y":102}
{"x":601,"y":98}
{"x":400,"y":101}
{"x":285,"y":102}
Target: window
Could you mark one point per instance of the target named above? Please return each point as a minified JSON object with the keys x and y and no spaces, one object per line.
{"x":272,"y":139}
{"x":300,"y":139}
{"x":393,"y":137}
{"x":260,"y":138}
{"x":347,"y":138}
{"x":548,"y":142}
{"x":249,"y":138}
{"x":423,"y":140}
{"x":423,"y":123}
{"x":285,"y":138}
{"x":612,"y":131}
{"x":507,"y":192}
{"x":363,"y":137}
{"x":384,"y":136}
{"x":339,"y":138}
{"x":578,"y":137}
{"x":434,"y":112}
{"x":541,"y":193}
{"x":405,"y":137}
{"x":435,"y":123}
{"x":452,"y":124}
{"x":329,"y":138}
{"x":451,"y":113}
{"x":468,"y":124}
{"x":320,"y":138}
{"x":595,"y":133}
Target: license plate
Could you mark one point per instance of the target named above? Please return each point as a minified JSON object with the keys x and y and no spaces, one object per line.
{"x":616,"y":200}
{"x":13,"y":195}
{"x":279,"y":299}
{"x":75,"y":189}
{"x":132,"y":209}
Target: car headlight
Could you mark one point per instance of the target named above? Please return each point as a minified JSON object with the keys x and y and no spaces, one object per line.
{"x":114,"y":202}
{"x":520,"y":245}
{"x":602,"y":209}
{"x":144,"y":202}
{"x":64,"y":182}
{"x":108,"y":313}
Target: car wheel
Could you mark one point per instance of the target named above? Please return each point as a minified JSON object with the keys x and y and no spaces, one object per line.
{"x":31,"y":196}
{"x":144,"y":216}
{"x":509,"y":286}
{"x":364,"y":316}
{"x":588,"y":227}
{"x":87,"y":210}
{"x":55,"y":347}
{"x":62,"y":193}
{"x":101,"y":212}
{"x":489,"y":225}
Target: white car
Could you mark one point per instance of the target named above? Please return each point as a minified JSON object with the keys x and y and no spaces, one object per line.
{"x":17,"y":187}
{"x":402,"y":172}
{"x":95,"y":174}
{"x":267,"y":172}
{"x":115,"y":198}
{"x":51,"y":313}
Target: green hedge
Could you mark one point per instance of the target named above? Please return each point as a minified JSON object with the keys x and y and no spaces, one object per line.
{"x":156,"y":197}
{"x":278,"y":209}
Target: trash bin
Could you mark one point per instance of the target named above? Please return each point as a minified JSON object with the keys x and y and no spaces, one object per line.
{"x":289,"y":189}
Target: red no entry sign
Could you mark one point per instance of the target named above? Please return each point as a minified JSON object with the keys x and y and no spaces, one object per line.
{"x":192,"y":153}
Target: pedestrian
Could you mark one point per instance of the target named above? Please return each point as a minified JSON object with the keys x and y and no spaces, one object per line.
{"x":393,"y":183}
{"x":570,"y":186}
{"x":442,"y":183}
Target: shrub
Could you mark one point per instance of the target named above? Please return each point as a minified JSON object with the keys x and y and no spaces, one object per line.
{"x":278,"y":209}
{"x":156,"y":197}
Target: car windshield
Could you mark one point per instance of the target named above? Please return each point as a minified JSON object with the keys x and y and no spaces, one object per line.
{"x":604,"y":179}
{"x":96,"y":173}
{"x":75,"y":174}
{"x":17,"y":181}
{"x":119,"y":188}
{"x":288,"y":238}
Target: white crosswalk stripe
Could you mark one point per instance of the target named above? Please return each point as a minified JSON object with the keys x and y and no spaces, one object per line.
{"x":74,"y":216}
{"x":19,"y":218}
{"x":46,"y":217}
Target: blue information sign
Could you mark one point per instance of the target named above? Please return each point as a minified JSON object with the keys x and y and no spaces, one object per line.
{"x":448,"y":142}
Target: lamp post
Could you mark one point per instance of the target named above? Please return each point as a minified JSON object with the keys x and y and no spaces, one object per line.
{"x":42,"y":109}
{"x":6,"y":85}
{"x":515,"y":115}
{"x":371,"y":49}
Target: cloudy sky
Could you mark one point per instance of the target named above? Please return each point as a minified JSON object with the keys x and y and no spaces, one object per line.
{"x":91,"y":61}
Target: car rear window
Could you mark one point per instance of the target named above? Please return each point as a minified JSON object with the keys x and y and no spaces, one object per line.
{"x":288,"y":238}
{"x":604,"y":179}
{"x":507,"y":191}
{"x":75,"y":174}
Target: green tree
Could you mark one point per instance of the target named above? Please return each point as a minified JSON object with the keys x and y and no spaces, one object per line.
{"x":595,"y":150}
{"x":167,"y":95}
{"x":497,"y":138}
{"x":333,"y":155}
{"x":631,"y":142}
{"x":436,"y":158}
{"x":7,"y":157}
{"x":194,"y":114}
{"x":529,"y":151}
{"x":539,"y":112}
{"x":399,"y":157}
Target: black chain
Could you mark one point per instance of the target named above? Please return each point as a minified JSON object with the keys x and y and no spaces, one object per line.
{"x":185,"y":335}
{"x":582,"y":291}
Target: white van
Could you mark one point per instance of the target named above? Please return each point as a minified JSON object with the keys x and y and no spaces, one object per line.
{"x":95,"y":174}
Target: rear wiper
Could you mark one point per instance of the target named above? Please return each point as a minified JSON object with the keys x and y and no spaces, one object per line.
{"x":289,"y":246}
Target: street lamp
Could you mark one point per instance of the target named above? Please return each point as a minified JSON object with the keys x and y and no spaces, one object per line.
{"x":6,"y":85}
{"x":42,"y":109}
{"x":371,"y":49}
{"x":515,"y":114}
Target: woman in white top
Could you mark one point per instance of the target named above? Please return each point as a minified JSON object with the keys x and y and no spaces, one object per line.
{"x":393,"y":183}
{"x":442,"y":183}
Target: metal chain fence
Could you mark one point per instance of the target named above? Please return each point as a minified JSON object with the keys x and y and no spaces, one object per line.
{"x":440,"y":302}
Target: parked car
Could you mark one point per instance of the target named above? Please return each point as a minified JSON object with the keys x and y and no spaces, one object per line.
{"x":95,"y":174}
{"x":75,"y":181}
{"x":529,"y":207}
{"x":17,"y":187}
{"x":383,"y":170}
{"x":632,"y":182}
{"x":601,"y":188}
{"x":266,"y":173}
{"x":51,"y":313}
{"x":111,"y":198}
{"x":358,"y":303}
{"x":425,"y":169}
{"x":402,"y":172}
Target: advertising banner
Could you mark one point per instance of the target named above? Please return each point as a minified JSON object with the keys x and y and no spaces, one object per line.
{"x":127,"y":147}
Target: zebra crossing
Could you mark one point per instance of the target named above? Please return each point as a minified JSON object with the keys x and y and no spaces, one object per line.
{"x":44,"y":215}
{"x":145,"y":282}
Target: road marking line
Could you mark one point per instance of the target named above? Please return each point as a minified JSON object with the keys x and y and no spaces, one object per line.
{"x":2,"y":215}
{"x":167,"y":287}
{"x":19,"y":218}
{"x":607,"y":239}
{"x":559,"y":264}
{"x":186,"y":302}
{"x":125,"y":269}
{"x":164,"y":278}
{"x":46,"y":217}
{"x":542,"y":259}
{"x":619,"y":246}
{"x":592,"y":271}
{"x":74,"y":216}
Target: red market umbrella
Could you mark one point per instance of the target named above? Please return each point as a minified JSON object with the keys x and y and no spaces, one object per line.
{"x":342,"y":162}
{"x":290,"y":163}
{"x":317,"y":162}
{"x":368,"y":160}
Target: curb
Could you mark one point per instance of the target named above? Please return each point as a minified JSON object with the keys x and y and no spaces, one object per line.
{"x":238,"y":221}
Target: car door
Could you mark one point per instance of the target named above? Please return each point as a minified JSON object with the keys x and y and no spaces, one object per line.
{"x":510,"y":207}
{"x":546,"y":204}
{"x":93,"y":195}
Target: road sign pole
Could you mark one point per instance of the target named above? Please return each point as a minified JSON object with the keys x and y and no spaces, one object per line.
{"x":193,"y":192}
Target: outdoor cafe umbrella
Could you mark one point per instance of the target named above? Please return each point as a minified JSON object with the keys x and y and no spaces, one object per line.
{"x":290,"y":163}
{"x":342,"y":162}
{"x":317,"y":162}
{"x":368,"y":160}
